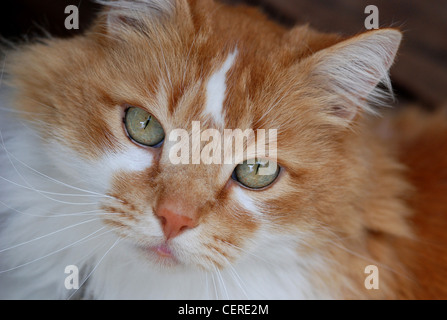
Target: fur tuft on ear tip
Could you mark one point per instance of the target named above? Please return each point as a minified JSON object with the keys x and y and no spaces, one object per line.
{"x":350,"y":71}
{"x":131,"y":12}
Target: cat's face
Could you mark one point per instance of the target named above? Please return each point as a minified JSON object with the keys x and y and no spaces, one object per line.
{"x":201,"y":63}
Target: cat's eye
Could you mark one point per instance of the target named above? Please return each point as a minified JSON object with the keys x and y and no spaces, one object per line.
{"x":143,"y":128}
{"x":257,"y":173}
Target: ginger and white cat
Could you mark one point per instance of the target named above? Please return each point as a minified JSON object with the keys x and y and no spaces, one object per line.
{"x":86,"y":178}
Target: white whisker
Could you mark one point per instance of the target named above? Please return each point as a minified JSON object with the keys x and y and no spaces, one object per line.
{"x":247,"y":252}
{"x":48,"y":234}
{"x":45,"y":196}
{"x":222,"y":282}
{"x":235,"y":275}
{"x":31,"y":188}
{"x":50,"y":178}
{"x":21,"y":111}
{"x":52,"y":253}
{"x":51,"y":215}
{"x":93,"y":270}
{"x":359,"y":255}
{"x":214,"y":285}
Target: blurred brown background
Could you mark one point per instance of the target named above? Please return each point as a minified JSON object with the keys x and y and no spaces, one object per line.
{"x":420,"y":73}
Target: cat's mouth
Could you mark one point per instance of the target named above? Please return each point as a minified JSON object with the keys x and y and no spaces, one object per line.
{"x":161,"y":253}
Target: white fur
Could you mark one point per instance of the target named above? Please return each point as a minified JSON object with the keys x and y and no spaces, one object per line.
{"x":131,"y":159}
{"x":216,"y":89}
{"x":245,"y":200}
{"x":138,"y":8}
{"x":352,"y":71}
{"x":124,"y":13}
{"x":36,"y":244}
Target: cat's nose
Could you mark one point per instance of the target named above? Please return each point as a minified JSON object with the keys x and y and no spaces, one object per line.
{"x":173,"y":222}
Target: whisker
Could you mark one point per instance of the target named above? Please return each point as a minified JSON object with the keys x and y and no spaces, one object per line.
{"x":47,"y":235}
{"x":93,"y":270}
{"x":188,"y":56}
{"x":371,"y":260}
{"x":21,"y":111}
{"x":82,"y":213}
{"x":3,"y":71}
{"x":235,"y":276}
{"x":43,"y":195}
{"x":206,"y":284}
{"x":233,"y":272}
{"x":215,"y":287}
{"x":247,"y":252}
{"x":50,"y":178}
{"x":31,"y":131}
{"x":222,"y":282}
{"x":31,"y":188}
{"x":52,"y":253}
{"x":97,"y":212}
{"x":40,"y":103}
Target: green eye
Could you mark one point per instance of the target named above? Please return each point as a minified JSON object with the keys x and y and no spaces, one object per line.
{"x":257,"y":173}
{"x":143,"y":128}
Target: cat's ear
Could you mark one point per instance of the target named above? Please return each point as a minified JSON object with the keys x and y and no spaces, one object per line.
{"x":119,"y":14}
{"x":349,"y":72}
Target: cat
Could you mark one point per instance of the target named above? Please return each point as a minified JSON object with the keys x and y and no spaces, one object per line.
{"x":92,"y":207}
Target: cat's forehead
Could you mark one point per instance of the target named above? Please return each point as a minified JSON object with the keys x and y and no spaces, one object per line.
{"x":212,"y":98}
{"x":211,"y":70}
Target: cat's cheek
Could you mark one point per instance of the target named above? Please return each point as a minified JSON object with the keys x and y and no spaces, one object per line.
{"x":131,"y":159}
{"x":243,"y":199}
{"x":99,"y":172}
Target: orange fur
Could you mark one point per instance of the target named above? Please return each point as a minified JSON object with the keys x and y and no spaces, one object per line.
{"x":360,"y":199}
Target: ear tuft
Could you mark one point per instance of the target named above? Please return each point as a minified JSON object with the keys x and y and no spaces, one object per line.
{"x":123,"y":13}
{"x":350,"y":71}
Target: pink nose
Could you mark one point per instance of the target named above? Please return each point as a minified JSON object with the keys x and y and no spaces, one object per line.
{"x":173,"y":223}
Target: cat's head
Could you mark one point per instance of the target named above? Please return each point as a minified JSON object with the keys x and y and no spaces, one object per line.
{"x":108,"y":102}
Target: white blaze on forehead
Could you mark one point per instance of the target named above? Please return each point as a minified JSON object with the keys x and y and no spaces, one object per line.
{"x":216,"y":89}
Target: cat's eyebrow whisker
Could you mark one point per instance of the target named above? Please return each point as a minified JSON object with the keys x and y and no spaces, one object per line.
{"x":96,"y":266}
{"x":47,"y":235}
{"x":165,"y":65}
{"x":197,"y":34}
{"x":271,"y":108}
{"x":188,"y":56}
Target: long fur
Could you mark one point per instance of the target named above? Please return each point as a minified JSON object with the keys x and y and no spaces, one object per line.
{"x":353,"y":191}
